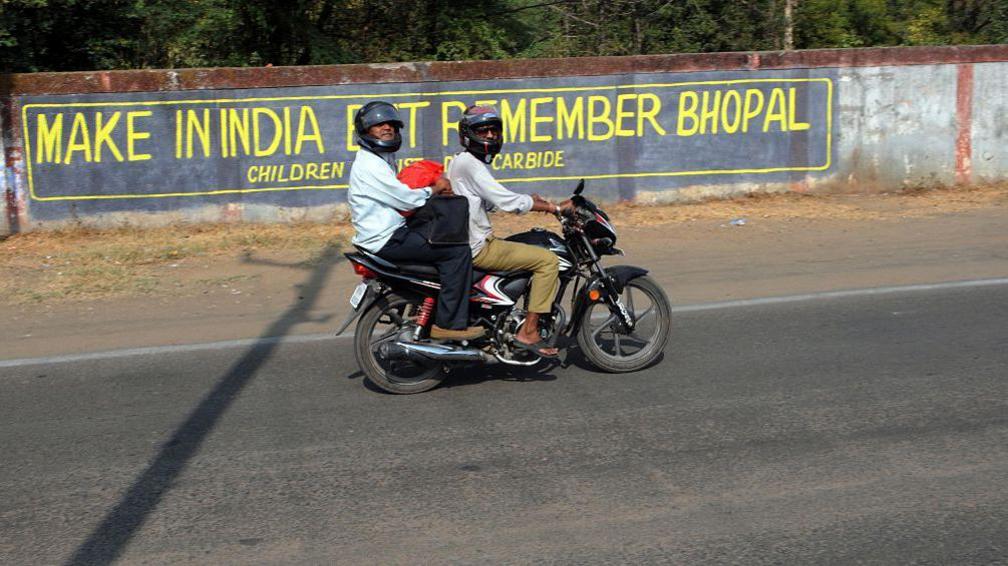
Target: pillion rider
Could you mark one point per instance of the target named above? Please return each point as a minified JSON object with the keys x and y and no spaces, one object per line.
{"x":376,"y":197}
{"x":481,"y":134}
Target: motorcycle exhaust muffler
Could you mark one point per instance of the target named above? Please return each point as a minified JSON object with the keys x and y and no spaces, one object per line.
{"x":440,"y":352}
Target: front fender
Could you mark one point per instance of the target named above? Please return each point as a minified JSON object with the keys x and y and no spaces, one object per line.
{"x":621,"y":274}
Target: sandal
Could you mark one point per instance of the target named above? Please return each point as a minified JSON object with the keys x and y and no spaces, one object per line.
{"x":536,"y":348}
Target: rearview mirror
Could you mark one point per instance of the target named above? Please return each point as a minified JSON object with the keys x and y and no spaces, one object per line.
{"x":579,"y":188}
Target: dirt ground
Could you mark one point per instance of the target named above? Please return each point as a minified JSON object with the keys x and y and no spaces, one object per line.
{"x":86,"y":290}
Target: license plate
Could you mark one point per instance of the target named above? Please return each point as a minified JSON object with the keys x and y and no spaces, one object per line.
{"x":358,"y":295}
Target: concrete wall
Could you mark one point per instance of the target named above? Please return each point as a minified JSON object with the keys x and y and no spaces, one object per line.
{"x":989,"y":133}
{"x":180,"y":146}
{"x":897,"y":126}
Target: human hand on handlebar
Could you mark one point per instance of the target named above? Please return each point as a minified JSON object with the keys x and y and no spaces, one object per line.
{"x":542,"y":205}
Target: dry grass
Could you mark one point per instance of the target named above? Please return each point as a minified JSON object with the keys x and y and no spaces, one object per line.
{"x":89,"y":263}
{"x":92,"y":263}
{"x":913,"y":203}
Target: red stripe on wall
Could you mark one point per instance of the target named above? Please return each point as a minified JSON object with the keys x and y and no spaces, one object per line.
{"x":964,"y":120}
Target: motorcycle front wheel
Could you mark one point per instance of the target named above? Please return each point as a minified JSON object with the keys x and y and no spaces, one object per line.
{"x":611,"y":349}
{"x":383,"y":322}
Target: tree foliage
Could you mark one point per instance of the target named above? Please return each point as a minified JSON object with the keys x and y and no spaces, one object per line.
{"x":63,"y":35}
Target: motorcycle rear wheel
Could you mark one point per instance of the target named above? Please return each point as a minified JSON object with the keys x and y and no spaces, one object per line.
{"x":619,"y":352}
{"x":385,"y":320}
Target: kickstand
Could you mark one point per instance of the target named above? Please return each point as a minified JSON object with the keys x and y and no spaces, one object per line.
{"x":563,"y":344}
{"x":565,"y":361}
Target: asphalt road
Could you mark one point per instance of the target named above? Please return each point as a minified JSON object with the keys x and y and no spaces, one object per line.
{"x":861,"y":429}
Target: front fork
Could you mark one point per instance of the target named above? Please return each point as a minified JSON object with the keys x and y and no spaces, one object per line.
{"x":610,"y":294}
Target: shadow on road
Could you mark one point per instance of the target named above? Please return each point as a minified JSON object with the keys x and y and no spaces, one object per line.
{"x":121,"y":523}
{"x":476,"y":374}
{"x":577,"y":358}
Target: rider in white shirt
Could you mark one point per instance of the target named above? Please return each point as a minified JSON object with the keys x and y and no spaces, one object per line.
{"x":480,"y":132}
{"x":376,"y":197}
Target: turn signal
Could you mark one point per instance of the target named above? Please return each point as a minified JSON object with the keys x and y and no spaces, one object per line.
{"x":594,"y":294}
{"x":364,"y":271}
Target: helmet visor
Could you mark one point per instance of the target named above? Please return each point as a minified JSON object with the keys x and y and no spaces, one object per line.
{"x":490,"y":131}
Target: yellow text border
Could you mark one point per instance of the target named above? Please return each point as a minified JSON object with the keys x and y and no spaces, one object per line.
{"x":829,"y":134}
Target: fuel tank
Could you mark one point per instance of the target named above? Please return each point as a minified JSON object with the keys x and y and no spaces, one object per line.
{"x":549,"y":240}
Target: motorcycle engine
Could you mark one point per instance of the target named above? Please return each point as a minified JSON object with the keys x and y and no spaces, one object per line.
{"x":507,"y":327}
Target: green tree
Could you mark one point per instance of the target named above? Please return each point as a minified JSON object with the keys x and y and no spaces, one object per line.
{"x":844,"y":23}
{"x":63,"y":35}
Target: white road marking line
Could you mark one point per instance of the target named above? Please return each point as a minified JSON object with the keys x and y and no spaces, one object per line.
{"x":180,"y":348}
{"x":307,"y":338}
{"x":826,"y":295}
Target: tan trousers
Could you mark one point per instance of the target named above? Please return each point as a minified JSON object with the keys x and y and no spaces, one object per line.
{"x":502,"y":255}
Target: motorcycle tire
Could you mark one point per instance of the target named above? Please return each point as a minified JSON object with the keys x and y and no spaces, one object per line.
{"x":399,"y":377}
{"x":591,"y":338}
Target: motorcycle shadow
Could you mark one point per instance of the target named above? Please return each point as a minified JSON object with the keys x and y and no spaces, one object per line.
{"x":543,"y":371}
{"x":476,"y":374}
{"x":577,"y":359}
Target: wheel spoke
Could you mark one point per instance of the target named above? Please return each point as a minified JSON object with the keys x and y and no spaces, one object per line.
{"x":616,"y":342}
{"x":603,"y":326}
{"x":384,"y":337}
{"x":634,"y":336}
{"x":629,"y":305}
{"x":645,"y":313}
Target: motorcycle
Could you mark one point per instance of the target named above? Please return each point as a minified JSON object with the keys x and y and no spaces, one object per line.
{"x":619,"y":316}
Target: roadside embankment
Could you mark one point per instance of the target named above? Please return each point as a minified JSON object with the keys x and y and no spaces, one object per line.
{"x":232,"y":281}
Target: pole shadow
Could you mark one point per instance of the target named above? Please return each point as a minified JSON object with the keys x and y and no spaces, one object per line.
{"x":108,"y":540}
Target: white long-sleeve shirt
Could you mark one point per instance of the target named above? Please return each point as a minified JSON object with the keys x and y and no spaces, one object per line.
{"x":471,"y":178}
{"x":376,"y":197}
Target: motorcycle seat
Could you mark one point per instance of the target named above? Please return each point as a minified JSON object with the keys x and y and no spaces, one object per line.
{"x":423,"y":269}
{"x":480,"y":274}
{"x":428,"y":269}
{"x":420,"y":269}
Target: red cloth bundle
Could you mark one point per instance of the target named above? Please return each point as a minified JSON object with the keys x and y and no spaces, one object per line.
{"x":419,"y":174}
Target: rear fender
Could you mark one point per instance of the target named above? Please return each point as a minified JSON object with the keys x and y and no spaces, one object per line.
{"x":375,"y":291}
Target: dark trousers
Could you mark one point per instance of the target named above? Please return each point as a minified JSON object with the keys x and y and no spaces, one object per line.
{"x":454,"y":265}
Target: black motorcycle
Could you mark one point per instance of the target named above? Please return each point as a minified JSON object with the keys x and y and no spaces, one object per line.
{"x":620,"y":316}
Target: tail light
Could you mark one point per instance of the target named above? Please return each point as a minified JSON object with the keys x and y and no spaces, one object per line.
{"x":363,"y":271}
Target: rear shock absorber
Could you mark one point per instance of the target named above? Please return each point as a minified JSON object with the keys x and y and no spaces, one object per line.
{"x":423,"y":319}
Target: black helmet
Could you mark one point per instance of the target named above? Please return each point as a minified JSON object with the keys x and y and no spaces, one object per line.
{"x":476,"y":117}
{"x":372,"y":114}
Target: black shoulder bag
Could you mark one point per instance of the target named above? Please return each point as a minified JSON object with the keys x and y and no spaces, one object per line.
{"x":442,"y":220}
